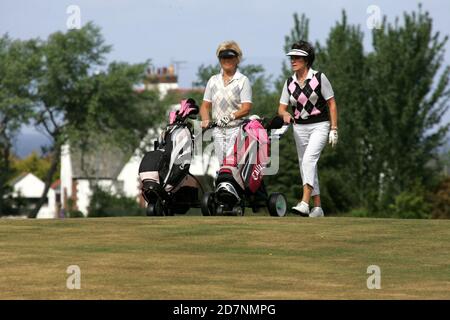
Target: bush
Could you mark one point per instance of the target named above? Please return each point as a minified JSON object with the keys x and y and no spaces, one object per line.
{"x":75,"y":214}
{"x":104,"y":204}
{"x":410,"y":205}
{"x":440,"y":200}
{"x":359,"y":213}
{"x":336,"y":194}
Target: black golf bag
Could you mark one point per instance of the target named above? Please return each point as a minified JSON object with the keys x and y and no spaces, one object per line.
{"x":166,"y":184}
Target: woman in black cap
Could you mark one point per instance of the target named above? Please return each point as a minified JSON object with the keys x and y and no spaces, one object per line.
{"x":229,"y":96}
{"x":311,"y":96}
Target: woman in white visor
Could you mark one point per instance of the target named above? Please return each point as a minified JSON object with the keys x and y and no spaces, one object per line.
{"x":229,"y":96}
{"x":314,"y":114}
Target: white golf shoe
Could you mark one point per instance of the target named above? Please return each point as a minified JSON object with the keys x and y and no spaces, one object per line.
{"x":316,"y":212}
{"x":302,"y":208}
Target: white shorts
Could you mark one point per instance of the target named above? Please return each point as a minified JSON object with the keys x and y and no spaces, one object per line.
{"x":310,"y":140}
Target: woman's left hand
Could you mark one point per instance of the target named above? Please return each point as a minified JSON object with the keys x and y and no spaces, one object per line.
{"x":223,"y":122}
{"x":333,"y":137}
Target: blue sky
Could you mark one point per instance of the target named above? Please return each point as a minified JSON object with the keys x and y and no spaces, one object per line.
{"x":189,"y":31}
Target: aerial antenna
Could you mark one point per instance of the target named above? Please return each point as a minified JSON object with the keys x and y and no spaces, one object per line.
{"x":178,"y":64}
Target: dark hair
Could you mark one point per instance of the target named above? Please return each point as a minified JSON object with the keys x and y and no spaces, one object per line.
{"x":306,"y":46}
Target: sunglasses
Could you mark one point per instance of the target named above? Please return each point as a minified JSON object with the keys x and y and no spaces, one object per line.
{"x":226,"y":58}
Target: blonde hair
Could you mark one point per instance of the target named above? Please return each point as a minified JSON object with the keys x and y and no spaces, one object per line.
{"x":230,"y":45}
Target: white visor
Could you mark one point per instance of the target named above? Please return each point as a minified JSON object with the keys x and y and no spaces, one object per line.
{"x":297,"y":52}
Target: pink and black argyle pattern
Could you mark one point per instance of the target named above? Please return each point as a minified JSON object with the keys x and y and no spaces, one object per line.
{"x":310,"y":106}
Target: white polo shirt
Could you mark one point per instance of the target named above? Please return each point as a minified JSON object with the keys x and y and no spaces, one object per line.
{"x":228,"y":99}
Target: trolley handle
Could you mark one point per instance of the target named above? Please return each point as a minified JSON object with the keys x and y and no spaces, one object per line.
{"x":211,"y":125}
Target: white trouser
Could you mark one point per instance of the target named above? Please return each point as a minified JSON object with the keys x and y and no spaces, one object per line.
{"x":310,"y":140}
{"x":224,"y":139}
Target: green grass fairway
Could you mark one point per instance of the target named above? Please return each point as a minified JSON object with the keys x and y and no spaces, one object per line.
{"x":189,"y":257}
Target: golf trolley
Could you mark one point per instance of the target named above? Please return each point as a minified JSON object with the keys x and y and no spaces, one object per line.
{"x":239,"y":183}
{"x":166,"y":184}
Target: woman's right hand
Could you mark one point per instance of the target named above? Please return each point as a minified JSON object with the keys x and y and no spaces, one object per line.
{"x":205,"y":123}
{"x":287,"y":118}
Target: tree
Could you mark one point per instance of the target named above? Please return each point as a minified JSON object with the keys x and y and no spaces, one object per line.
{"x":18,"y":62}
{"x":405,"y":103}
{"x":441,"y":199}
{"x":343,"y":170}
{"x":205,"y":72}
{"x":78,"y":98}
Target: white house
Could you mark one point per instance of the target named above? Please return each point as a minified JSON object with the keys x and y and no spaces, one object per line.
{"x":82,"y":171}
{"x":29,"y":189}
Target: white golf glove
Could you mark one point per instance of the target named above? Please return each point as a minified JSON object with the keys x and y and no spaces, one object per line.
{"x":333,"y":137}
{"x":222,"y":122}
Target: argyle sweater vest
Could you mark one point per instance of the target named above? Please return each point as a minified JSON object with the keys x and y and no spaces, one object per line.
{"x":310,"y":106}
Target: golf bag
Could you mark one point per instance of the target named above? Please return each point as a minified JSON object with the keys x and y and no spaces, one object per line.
{"x":166,"y":184}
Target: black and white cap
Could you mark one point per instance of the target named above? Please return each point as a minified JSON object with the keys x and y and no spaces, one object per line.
{"x":297,"y":52}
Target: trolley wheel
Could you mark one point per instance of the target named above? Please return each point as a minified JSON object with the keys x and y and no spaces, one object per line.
{"x":207,"y":204}
{"x":155,"y":209}
{"x":239,"y":211}
{"x":277,"y":205}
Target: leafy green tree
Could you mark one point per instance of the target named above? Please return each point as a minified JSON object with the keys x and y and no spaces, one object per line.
{"x":410,"y":205}
{"x":343,"y":171}
{"x":445,"y":162}
{"x":440,"y":199}
{"x":205,"y":72}
{"x":18,"y":63}
{"x":405,"y":104}
{"x":78,"y":98}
